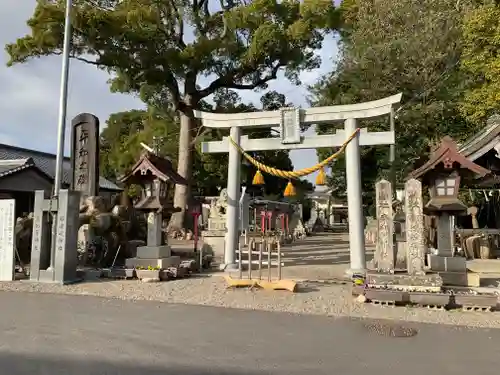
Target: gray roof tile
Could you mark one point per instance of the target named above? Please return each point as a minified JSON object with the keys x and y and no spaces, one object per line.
{"x":44,"y":161}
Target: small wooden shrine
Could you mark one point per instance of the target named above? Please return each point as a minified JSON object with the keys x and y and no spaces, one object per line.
{"x":443,"y":172}
{"x":154,"y":174}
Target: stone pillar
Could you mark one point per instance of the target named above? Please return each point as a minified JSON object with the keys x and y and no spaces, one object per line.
{"x":155,"y":233}
{"x":384,"y":252}
{"x":444,"y":233}
{"x":415,"y":239}
{"x":7,"y":239}
{"x":354,"y":200}
{"x":233,"y":192}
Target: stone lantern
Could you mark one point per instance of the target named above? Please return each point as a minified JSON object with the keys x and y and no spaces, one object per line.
{"x":156,"y":176}
{"x":443,"y":173}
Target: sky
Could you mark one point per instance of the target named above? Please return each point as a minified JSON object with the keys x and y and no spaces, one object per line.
{"x":29,"y":93}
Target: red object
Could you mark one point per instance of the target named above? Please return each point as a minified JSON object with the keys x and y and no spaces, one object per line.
{"x":263,"y":221}
{"x":269,"y":217}
{"x":282,"y":217}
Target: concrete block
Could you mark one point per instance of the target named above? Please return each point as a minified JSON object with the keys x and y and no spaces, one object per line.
{"x":455,"y":264}
{"x":437,"y":263}
{"x":454,"y":278}
{"x":153,"y":252}
{"x":473,"y":279}
{"x":173,"y":261}
{"x":447,"y":264}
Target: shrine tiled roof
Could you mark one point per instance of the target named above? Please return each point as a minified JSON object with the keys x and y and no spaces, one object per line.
{"x":12,"y":157}
{"x":483,"y":141}
{"x":159,"y":166}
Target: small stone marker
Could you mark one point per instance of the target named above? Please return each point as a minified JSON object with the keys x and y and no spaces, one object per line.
{"x":415,"y":240}
{"x":384,"y":253}
{"x":7,"y":251}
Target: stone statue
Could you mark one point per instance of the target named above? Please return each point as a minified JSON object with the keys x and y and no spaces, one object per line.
{"x":109,"y":230}
{"x":218,"y":207}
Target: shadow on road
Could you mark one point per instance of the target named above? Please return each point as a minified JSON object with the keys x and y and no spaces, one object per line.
{"x":24,"y":364}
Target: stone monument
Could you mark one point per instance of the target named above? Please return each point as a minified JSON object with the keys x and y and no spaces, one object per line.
{"x":61,"y":269}
{"x":443,"y":172}
{"x":384,"y":253}
{"x":214,"y":236}
{"x":7,"y":247}
{"x":85,"y":169}
{"x":154,"y":174}
{"x":85,"y":155}
{"x":415,"y":236}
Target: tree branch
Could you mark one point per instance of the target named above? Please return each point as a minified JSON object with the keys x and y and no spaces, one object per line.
{"x":227,"y":81}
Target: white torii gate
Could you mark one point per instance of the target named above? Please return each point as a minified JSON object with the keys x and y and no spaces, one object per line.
{"x":289,"y":121}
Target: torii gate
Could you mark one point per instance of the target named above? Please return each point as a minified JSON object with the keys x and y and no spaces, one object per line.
{"x":289,"y":121}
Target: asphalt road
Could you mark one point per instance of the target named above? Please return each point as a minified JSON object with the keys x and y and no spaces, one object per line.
{"x":55,"y":334}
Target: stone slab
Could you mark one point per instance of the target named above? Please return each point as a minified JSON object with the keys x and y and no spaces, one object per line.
{"x":414,"y":225}
{"x":386,"y":295}
{"x":475,"y":300}
{"x":432,"y":280}
{"x":173,"y":261}
{"x":436,"y":299}
{"x":7,"y":238}
{"x":484,"y":265}
{"x":436,"y":263}
{"x":447,"y":264}
{"x":384,"y":251}
{"x":153,"y":252}
{"x":454,"y":278}
{"x":456,"y":264}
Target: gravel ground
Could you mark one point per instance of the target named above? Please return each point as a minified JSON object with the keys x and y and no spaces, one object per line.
{"x":332,"y":300}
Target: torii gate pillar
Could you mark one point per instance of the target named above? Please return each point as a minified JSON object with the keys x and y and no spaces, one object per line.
{"x":289,"y":120}
{"x":354,"y":201}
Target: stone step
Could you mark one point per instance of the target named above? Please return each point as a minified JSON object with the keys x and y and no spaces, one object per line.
{"x":488,"y":279}
{"x":484,"y":265}
{"x":172,"y":261}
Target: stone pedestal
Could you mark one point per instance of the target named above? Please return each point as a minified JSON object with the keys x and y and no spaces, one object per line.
{"x":217,"y":224}
{"x":215,"y":240}
{"x":155,"y":256}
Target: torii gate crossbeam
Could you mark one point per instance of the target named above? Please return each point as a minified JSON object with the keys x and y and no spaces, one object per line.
{"x":289,"y":120}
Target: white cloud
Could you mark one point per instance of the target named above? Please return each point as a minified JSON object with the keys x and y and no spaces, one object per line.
{"x":29,"y":93}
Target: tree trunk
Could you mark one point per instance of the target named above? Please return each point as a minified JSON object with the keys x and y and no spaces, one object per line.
{"x":184,"y":164}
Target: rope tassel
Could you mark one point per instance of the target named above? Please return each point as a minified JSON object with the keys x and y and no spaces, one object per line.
{"x":321,"y":177}
{"x":258,"y":179}
{"x":289,"y":190}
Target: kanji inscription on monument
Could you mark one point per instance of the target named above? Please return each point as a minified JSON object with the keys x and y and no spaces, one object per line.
{"x":415,"y":241}
{"x":7,"y":252}
{"x":85,"y":154}
{"x":384,"y":253}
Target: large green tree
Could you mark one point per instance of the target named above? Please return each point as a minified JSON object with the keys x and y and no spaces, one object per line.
{"x":481,"y":61}
{"x":178,"y":52}
{"x":392,"y":46}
